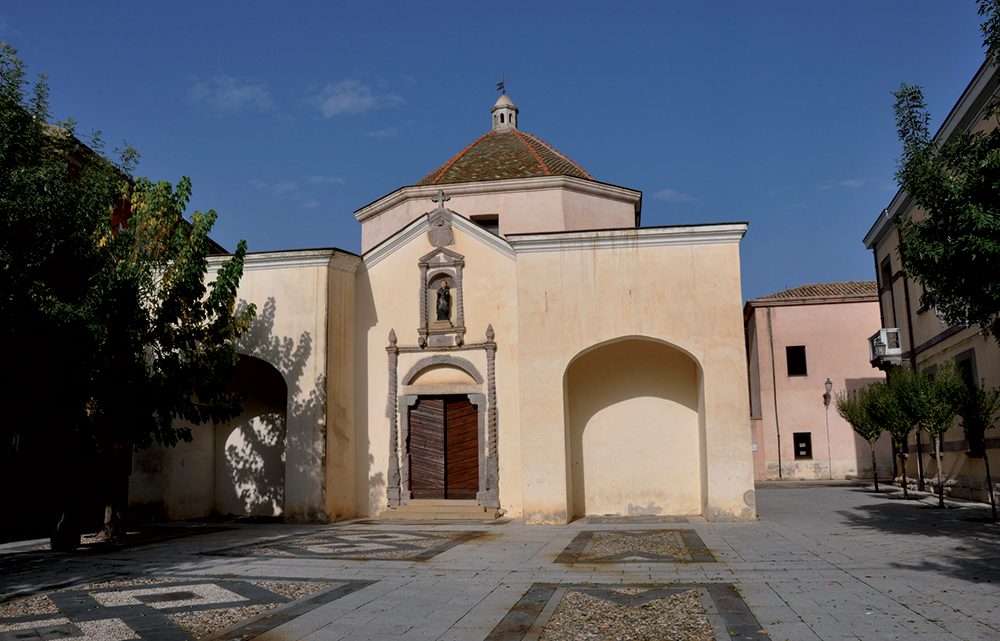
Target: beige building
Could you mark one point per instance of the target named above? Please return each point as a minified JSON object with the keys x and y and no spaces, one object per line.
{"x":914,"y":336}
{"x":509,"y":340}
{"x":797,"y":340}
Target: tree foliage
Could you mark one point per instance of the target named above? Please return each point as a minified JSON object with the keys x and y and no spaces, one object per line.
{"x":853,"y":407}
{"x":106,"y":314}
{"x":953,"y":247}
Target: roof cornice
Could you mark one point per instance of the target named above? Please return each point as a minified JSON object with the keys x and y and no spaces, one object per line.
{"x":570,"y":183}
{"x":721,"y":233}
{"x":295,"y":258}
{"x":419,"y":226}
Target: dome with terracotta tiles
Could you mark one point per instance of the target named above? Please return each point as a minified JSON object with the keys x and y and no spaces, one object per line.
{"x":504,"y":153}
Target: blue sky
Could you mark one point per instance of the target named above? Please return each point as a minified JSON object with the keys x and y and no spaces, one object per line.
{"x":289,"y":117}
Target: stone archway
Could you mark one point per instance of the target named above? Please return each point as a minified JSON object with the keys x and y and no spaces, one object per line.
{"x":250,"y":449}
{"x":632,"y":427}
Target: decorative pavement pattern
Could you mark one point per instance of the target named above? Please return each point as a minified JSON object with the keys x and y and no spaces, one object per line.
{"x":640,"y":546}
{"x":167,"y":609}
{"x":359,"y":545}
{"x":679,"y":612}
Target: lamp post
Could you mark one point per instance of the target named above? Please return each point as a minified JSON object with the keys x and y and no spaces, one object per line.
{"x":826,"y":402}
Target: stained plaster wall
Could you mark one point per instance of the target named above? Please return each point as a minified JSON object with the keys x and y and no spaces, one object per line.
{"x":677,"y":286}
{"x":388,"y":297}
{"x":835,"y":337}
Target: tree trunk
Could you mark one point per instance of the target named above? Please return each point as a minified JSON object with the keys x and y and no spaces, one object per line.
{"x":989,"y":484}
{"x":937,"y":456}
{"x":874,"y":467}
{"x":902,"y":469}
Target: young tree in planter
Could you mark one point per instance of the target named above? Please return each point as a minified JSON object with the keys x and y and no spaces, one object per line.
{"x":883,"y":408}
{"x":852,"y":405}
{"x":979,"y":408}
{"x":928,"y":401}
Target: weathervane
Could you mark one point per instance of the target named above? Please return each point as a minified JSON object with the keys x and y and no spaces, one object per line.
{"x":500,"y":87}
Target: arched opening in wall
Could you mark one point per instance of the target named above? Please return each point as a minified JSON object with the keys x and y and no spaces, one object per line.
{"x":250,"y":449}
{"x":632,"y":428}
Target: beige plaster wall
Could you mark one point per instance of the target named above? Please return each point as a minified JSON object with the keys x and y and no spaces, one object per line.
{"x":632,"y":406}
{"x":388,"y":297}
{"x":616,"y":286}
{"x":835,"y":337}
{"x":341,"y":438}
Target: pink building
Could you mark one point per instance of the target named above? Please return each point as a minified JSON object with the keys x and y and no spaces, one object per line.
{"x":797,"y":340}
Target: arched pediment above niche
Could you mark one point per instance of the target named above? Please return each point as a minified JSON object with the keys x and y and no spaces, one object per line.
{"x":442,"y":365}
{"x":443,"y":375}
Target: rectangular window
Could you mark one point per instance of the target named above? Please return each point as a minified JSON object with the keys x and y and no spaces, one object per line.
{"x":803,"y":444}
{"x":886,"y":273}
{"x":490,"y":223}
{"x":795,"y":356}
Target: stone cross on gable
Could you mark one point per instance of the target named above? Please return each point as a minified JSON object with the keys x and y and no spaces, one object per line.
{"x":441,"y":199}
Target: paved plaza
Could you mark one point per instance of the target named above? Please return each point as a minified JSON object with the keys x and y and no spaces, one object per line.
{"x":822,"y":562}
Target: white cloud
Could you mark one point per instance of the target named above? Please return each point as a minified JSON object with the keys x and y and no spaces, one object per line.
{"x":324,"y":180}
{"x":285,"y":187}
{"x":231,"y":95}
{"x":409,"y":80}
{"x":673,"y":196}
{"x":852,"y":182}
{"x":312,"y":204}
{"x":350,"y":97}
{"x":388,"y":132}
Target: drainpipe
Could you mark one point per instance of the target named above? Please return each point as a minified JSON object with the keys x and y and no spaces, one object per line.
{"x":913,"y":366}
{"x":774,"y":388}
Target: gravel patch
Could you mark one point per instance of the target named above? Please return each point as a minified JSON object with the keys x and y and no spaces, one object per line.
{"x":28,"y":606}
{"x":659,"y":543}
{"x":293,"y":590}
{"x":107,"y":630}
{"x":206,"y":622}
{"x":28,"y":625}
{"x":123,"y":583}
{"x":579,"y":616}
{"x":161,"y":597}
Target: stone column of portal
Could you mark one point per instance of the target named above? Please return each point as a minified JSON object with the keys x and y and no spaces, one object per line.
{"x":392,"y":478}
{"x":459,"y":306}
{"x":492,"y":462}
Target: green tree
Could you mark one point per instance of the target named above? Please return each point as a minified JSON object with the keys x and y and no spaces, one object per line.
{"x":953,"y":247}
{"x":979,"y":407}
{"x":105,"y":309}
{"x":884,"y":409}
{"x":929,"y":403}
{"x":852,"y":405}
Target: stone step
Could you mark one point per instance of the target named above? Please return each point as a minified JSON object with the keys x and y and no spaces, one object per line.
{"x":441,"y":509}
{"x":414,"y":515}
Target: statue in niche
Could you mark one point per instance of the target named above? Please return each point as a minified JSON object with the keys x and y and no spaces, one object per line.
{"x":444,"y":302}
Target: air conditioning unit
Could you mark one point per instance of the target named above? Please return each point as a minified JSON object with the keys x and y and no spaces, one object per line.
{"x":885,"y":346}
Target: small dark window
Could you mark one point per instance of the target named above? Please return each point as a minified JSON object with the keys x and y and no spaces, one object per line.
{"x":803,"y":444}
{"x":501,"y":118}
{"x":795,"y":355}
{"x":489,"y":223}
{"x":886,"y":273}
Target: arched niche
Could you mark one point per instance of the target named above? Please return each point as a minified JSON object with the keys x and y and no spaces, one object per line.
{"x":633,"y":430}
{"x":250,"y":449}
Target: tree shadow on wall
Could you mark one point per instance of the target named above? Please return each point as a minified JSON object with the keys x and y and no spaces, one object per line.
{"x":255,"y":447}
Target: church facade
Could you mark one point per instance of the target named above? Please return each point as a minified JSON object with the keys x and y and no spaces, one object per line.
{"x":509,"y":338}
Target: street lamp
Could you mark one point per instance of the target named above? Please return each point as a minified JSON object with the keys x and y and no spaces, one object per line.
{"x":826,"y":403}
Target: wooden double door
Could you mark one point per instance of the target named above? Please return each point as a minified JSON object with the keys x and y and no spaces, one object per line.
{"x":444,"y":448}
